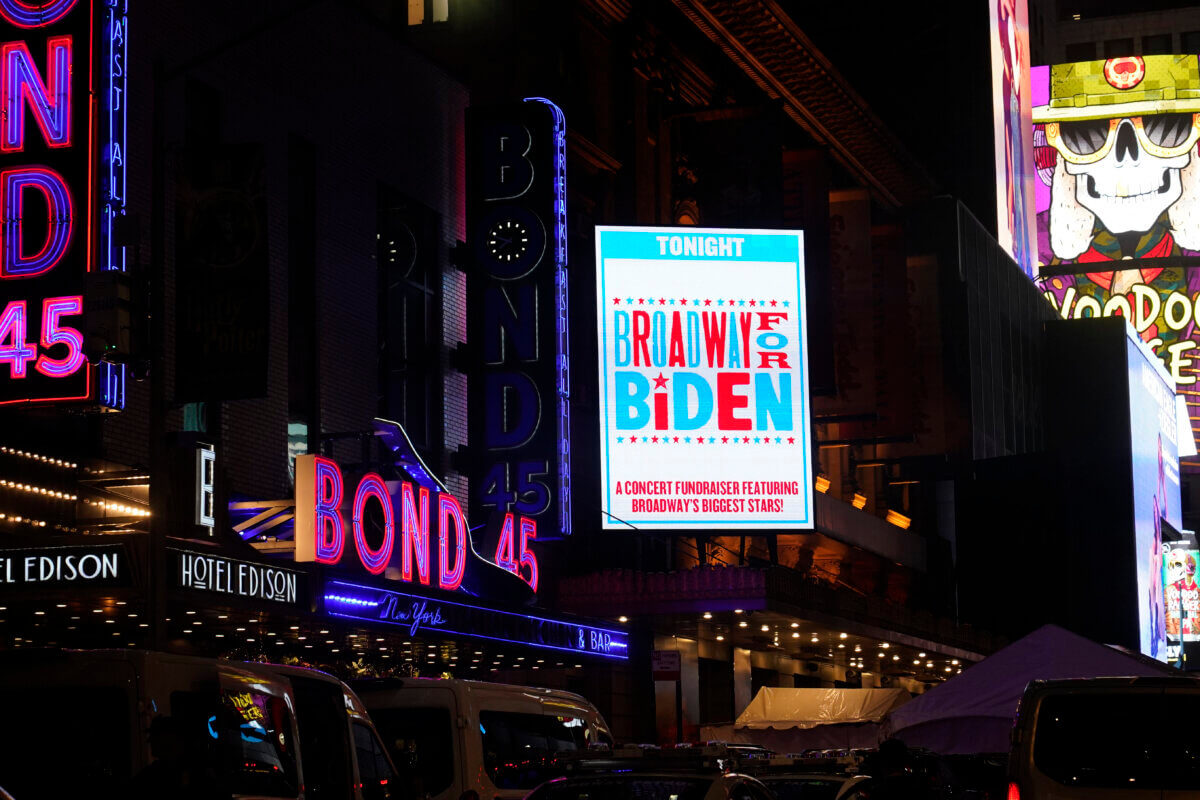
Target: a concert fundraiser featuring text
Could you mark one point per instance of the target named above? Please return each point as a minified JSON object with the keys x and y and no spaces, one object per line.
{"x":703,"y":379}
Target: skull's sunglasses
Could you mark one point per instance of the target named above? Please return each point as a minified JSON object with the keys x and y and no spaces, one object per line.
{"x":1089,"y":141}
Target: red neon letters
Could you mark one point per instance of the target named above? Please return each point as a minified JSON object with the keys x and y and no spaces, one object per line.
{"x":327,"y":528}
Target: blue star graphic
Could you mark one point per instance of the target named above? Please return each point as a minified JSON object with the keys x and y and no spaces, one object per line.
{"x":620,"y":439}
{"x":720,"y":302}
{"x":778,"y":440}
{"x":741,"y":302}
{"x":629,"y":300}
{"x":672,"y":301}
{"x":645,"y":438}
{"x":756,"y":440}
{"x":687,"y":439}
{"x":786,"y":304}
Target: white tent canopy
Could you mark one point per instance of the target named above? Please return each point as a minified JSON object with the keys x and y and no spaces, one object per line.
{"x":974,"y":712}
{"x":807,"y":708}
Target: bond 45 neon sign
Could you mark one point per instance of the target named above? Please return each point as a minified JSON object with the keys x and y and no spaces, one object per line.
{"x":323,"y":530}
{"x":62,"y":188}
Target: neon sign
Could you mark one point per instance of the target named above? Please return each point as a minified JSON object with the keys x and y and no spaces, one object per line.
{"x":517,"y":304}
{"x":62,"y":191}
{"x":321,"y":528}
{"x":417,"y":614}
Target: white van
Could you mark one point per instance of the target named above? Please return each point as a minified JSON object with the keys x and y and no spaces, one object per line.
{"x":1107,"y":739}
{"x":447,"y":737}
{"x":130,"y":724}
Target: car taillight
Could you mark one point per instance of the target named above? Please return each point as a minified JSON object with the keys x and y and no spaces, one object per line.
{"x":1014,"y":792}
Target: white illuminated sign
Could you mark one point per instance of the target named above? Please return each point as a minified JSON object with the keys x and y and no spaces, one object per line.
{"x":703,"y":379}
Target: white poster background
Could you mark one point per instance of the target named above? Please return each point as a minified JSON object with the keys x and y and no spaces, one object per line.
{"x":740,"y":460}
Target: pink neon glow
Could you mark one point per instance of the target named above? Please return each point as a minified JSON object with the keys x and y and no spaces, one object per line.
{"x":449,"y":509}
{"x":12,"y":325}
{"x":53,"y":308}
{"x":416,"y":533}
{"x":528,"y":559}
{"x":49,"y":100}
{"x":25,"y":14}
{"x":326,"y":516}
{"x":505,"y":559}
{"x":13,"y":183}
{"x":372,"y":485}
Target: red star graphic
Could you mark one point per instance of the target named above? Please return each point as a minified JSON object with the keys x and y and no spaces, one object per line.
{"x":791,"y":440}
{"x":724,"y":440}
{"x":751,"y":302}
{"x":660,"y":382}
{"x":616,"y":301}
{"x":683,"y":301}
{"x":654,"y":439}
{"x":699,"y":440}
{"x":633,"y":440}
{"x":745,"y":440}
{"x":766,"y":441}
{"x":708,"y":302}
{"x":662,"y":301}
{"x":733,"y":302}
{"x":641,"y":300}
{"x":676,"y":439}
{"x":772,"y":303}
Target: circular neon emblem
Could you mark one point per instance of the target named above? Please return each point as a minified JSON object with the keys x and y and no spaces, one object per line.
{"x":1124,"y":73}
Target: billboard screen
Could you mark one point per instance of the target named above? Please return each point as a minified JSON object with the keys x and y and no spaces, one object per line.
{"x":704,"y":385}
{"x":1182,"y":595}
{"x":1156,"y":495}
{"x":1011,"y":120}
{"x":1114,"y":147}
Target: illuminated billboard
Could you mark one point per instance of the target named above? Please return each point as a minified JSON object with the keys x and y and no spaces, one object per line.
{"x":1181,"y":593}
{"x":1156,"y":497}
{"x":704,"y":385}
{"x":62,"y":192}
{"x":1114,"y":145}
{"x":1011,"y":120}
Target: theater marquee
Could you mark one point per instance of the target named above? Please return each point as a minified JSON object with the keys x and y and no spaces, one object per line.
{"x":703,"y":379}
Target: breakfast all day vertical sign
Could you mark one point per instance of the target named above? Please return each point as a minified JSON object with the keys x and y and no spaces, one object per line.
{"x":704,"y":391}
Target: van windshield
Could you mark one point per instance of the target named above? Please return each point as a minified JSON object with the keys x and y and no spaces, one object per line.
{"x":1134,"y":740}
{"x":516,"y":746}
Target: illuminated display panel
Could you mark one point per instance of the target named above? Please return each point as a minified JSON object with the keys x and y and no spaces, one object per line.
{"x":1114,"y":145}
{"x":1155,"y":485}
{"x":703,"y":379}
{"x":1182,"y":594}
{"x":1011,"y":118}
{"x":62,"y":187}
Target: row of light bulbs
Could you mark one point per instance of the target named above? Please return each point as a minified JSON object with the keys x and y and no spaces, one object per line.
{"x":58,"y":462}
{"x":25,"y":487}
{"x":131,"y":511}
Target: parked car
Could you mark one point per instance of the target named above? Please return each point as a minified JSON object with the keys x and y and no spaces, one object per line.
{"x":1111,"y":738}
{"x":804,"y":777}
{"x":131,"y":724}
{"x":450,"y":736}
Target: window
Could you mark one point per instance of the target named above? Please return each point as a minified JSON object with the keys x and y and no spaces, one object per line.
{"x":252,"y":733}
{"x":1189,"y":43}
{"x":1158,"y":44}
{"x":1080,"y":51}
{"x":1134,"y":739}
{"x":624,"y":787}
{"x":1115,"y":48}
{"x":517,"y":746}
{"x":373,"y":768}
{"x":421,"y":744}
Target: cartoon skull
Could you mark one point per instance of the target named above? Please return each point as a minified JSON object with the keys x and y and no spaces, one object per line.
{"x":1129,"y":188}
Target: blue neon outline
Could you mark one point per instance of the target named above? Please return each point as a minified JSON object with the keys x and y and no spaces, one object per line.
{"x":112,"y":255}
{"x":41,"y":17}
{"x":562,"y":331}
{"x":623,"y":645}
{"x":801,"y":324}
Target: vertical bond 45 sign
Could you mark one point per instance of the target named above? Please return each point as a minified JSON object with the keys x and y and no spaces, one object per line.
{"x":517,"y":312}
{"x":704,"y":379}
{"x":62,"y":187}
